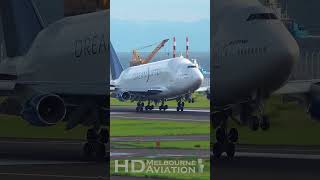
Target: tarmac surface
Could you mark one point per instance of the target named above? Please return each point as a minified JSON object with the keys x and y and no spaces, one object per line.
{"x":161,"y":138}
{"x":189,"y":115}
{"x":50,"y":160}
{"x":44,"y":159}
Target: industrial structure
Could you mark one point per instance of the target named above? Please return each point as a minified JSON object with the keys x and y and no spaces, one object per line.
{"x":138,"y":60}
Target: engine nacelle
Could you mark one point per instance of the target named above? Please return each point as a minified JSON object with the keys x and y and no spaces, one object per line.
{"x":44,"y":110}
{"x":124,"y":96}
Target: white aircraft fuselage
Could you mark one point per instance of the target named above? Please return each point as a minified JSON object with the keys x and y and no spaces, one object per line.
{"x":253,"y":51}
{"x":166,"y":79}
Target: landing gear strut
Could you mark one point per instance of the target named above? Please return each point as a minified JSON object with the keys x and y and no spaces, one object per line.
{"x":254,"y":121}
{"x":180,"y":106}
{"x":226,"y":138}
{"x":162,"y":106}
{"x":140,"y":106}
{"x":149,"y":107}
{"x":95,"y":145}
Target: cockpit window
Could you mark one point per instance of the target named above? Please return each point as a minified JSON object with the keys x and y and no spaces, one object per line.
{"x":193,"y":66}
{"x":260,"y":16}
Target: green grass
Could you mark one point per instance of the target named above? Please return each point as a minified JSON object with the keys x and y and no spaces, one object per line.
{"x":121,"y":127}
{"x":15,"y":127}
{"x":290,"y":125}
{"x":166,"y":144}
{"x":200,"y":102}
{"x":190,"y":176}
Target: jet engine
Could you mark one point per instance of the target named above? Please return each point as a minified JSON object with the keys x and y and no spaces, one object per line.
{"x":124,"y":96}
{"x":44,"y":110}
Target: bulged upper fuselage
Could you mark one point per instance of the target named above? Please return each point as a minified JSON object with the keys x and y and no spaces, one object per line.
{"x":253,"y":53}
{"x":69,"y":56}
{"x":172,"y":77}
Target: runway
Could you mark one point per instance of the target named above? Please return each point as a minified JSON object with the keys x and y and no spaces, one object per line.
{"x":56,"y":159}
{"x":189,"y":115}
{"x":269,"y":162}
{"x":47,"y":159}
{"x":157,"y":153}
{"x":161,"y":138}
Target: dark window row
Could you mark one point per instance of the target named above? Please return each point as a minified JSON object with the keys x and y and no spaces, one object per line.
{"x":262,"y":16}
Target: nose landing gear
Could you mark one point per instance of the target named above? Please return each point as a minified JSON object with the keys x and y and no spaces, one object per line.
{"x":225,"y":139}
{"x":180,"y":106}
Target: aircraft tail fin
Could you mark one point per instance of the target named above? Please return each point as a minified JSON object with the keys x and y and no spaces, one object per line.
{"x":21,"y":24}
{"x":116,"y":68}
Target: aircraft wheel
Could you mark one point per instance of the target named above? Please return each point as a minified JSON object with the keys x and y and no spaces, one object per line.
{"x":147,"y":108}
{"x":104,"y":135}
{"x":87,"y":150}
{"x":233,"y":135}
{"x":220,"y":135}
{"x":100,"y":150}
{"x":254,"y":123}
{"x":181,"y":109}
{"x":265,"y":123}
{"x":137,"y":109}
{"x":141,"y":109}
{"x":192,"y":100}
{"x":218,"y":118}
{"x":142,"y":104}
{"x":165,"y":107}
{"x":217,"y":150}
{"x":160,"y":108}
{"x":152,"y":107}
{"x":178,"y":109}
{"x":231,"y":149}
{"x":182,"y":104}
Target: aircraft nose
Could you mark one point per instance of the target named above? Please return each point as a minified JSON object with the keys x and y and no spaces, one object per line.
{"x":286,"y":53}
{"x":289,"y":53}
{"x":197,"y":78}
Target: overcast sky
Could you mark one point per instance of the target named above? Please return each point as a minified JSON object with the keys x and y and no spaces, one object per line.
{"x":135,"y":23}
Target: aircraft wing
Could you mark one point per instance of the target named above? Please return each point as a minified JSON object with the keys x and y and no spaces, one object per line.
{"x":297,"y":87}
{"x":203,"y":89}
{"x":7,"y":84}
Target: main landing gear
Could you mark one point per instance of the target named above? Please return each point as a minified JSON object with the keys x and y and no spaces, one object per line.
{"x":140,"y":106}
{"x":162,"y":106}
{"x":180,"y":106}
{"x":225,"y":138}
{"x":254,"y":121}
{"x":149,"y":107}
{"x":95,"y":145}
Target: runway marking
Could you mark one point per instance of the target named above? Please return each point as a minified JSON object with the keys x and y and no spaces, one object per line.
{"x":279,"y":149}
{"x":279,"y":155}
{"x":170,"y":110}
{"x":41,"y":142}
{"x":6,"y":162}
{"x":112,"y":113}
{"x":168,"y":119}
{"x":55,"y":176}
{"x":120,"y":154}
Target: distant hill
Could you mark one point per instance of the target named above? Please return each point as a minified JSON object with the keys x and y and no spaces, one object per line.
{"x":126,"y":35}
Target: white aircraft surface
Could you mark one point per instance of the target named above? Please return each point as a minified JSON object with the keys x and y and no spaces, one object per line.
{"x":253,"y":56}
{"x":56,"y":72}
{"x":170,"y":79}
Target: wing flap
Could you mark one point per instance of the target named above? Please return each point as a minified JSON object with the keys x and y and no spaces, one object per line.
{"x":297,"y":87}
